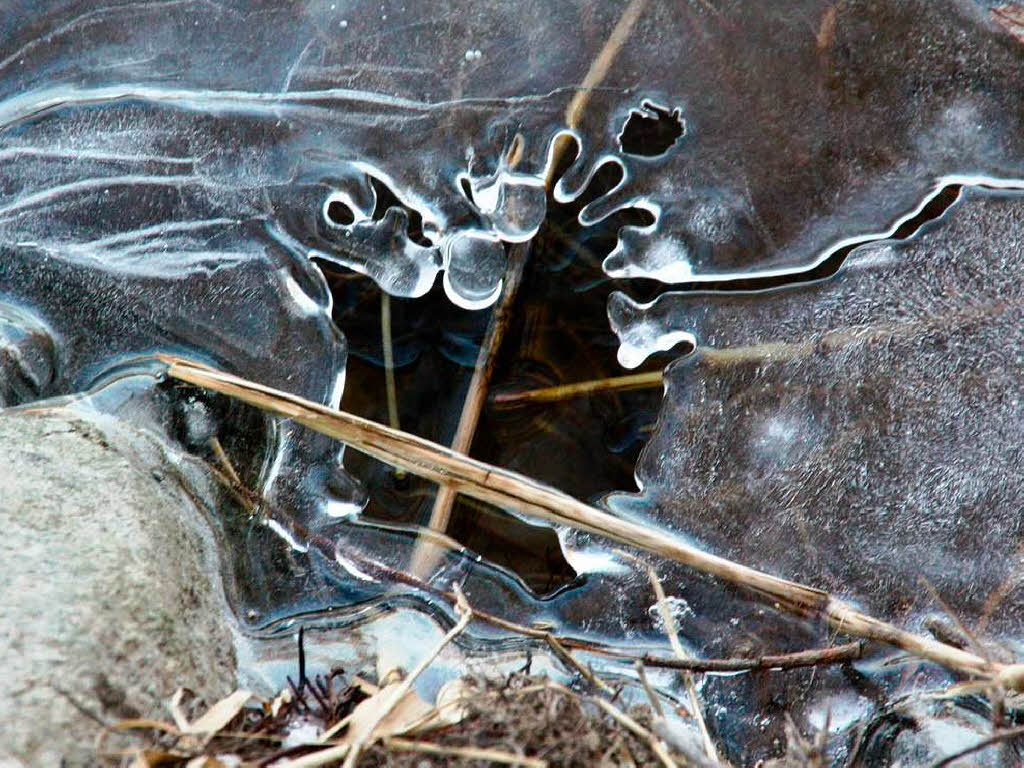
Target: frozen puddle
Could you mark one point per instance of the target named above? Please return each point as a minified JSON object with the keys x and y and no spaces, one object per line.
{"x":314,"y":195}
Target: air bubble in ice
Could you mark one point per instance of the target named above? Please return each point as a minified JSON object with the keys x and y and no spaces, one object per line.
{"x":678,"y":609}
{"x":474,"y":266}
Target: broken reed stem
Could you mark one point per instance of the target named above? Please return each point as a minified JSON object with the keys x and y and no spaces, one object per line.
{"x":580,"y":389}
{"x":533,"y":499}
{"x":426,"y":554}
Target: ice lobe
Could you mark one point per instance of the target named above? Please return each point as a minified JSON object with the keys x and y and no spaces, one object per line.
{"x":861,"y":433}
{"x":775,"y":170}
{"x":296,"y":125}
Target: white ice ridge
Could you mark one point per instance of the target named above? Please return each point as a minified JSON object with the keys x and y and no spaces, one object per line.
{"x":643,"y":330}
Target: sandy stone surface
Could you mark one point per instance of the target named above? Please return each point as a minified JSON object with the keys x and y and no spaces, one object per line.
{"x":108,"y":600}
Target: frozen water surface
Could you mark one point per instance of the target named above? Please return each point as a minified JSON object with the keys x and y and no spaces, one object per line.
{"x":175,"y":175}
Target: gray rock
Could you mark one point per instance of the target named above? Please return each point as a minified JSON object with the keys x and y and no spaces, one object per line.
{"x":109,"y":594}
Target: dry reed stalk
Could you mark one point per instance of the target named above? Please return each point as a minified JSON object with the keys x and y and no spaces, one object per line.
{"x":528,"y":497}
{"x":602,"y":63}
{"x":677,"y":647}
{"x":637,"y":730}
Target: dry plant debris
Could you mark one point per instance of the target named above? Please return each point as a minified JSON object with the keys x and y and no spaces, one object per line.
{"x":521,"y":720}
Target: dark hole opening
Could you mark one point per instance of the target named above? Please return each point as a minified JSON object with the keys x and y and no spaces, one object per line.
{"x":934,"y":209}
{"x":651,"y":130}
{"x":559,"y":335}
{"x":386,"y":200}
{"x":467,"y":189}
{"x":339,"y":214}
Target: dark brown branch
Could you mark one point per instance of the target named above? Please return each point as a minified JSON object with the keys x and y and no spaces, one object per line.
{"x":839,"y":654}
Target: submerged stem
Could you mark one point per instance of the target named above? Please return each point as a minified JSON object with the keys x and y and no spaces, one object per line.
{"x":426,"y":554}
{"x":579,"y":389}
{"x":389,"y":359}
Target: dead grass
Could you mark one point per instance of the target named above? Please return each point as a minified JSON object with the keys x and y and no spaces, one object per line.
{"x":519,"y":720}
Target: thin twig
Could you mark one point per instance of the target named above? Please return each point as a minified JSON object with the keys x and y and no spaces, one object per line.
{"x":567,"y":657}
{"x":996,"y":738}
{"x":387,"y":346}
{"x":677,"y":647}
{"x":651,"y":695}
{"x":389,"y":359}
{"x":580,"y":389}
{"x":225,"y":462}
{"x":465,"y":753}
{"x":975,"y":644}
{"x":533,"y":499}
{"x":405,"y":686}
{"x":839,"y":654}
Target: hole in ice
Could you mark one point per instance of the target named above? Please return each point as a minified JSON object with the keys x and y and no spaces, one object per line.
{"x":467,"y":188}
{"x":651,"y":130}
{"x":933,"y":209}
{"x":387,"y":200}
{"x":434,"y":345}
{"x":559,"y":335}
{"x":339,"y":214}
